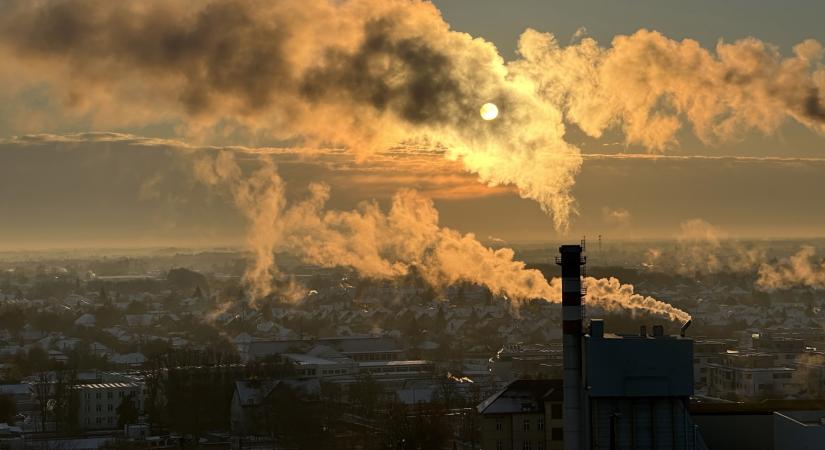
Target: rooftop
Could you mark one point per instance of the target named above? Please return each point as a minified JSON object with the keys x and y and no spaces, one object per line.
{"x":116,"y":385}
{"x":522,"y":396}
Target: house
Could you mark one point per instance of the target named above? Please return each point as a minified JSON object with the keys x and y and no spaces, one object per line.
{"x":99,"y":349}
{"x":86,"y":320}
{"x":360,"y":348}
{"x":128,"y":359}
{"x":526,"y":414}
{"x":20,"y":393}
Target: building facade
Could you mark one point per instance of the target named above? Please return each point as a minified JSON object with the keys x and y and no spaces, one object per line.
{"x":98,"y":403}
{"x":525,"y":415}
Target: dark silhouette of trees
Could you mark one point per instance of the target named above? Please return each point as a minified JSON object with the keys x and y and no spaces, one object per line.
{"x":127,"y":411}
{"x":8,"y":409}
{"x":65,"y":401}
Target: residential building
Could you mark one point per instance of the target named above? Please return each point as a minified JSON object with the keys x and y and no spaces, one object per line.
{"x":751,"y":376}
{"x":99,"y":403}
{"x":525,"y":415}
{"x":705,"y":352}
{"x":362,"y":348}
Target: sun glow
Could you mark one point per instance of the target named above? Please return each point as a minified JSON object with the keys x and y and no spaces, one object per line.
{"x":488,"y":111}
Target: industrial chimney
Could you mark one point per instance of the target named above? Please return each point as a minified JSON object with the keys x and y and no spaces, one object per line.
{"x":571,"y":260}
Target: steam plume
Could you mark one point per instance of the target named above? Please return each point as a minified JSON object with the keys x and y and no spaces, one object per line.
{"x":647,"y":84}
{"x":704,"y":248}
{"x":388,"y":244}
{"x":363,"y":73}
{"x":801,"y":269}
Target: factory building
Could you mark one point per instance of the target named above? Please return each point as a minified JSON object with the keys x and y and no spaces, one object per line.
{"x":618,"y":391}
{"x":622,"y":391}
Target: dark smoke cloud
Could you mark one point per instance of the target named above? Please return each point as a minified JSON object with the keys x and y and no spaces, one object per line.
{"x":365,"y":74}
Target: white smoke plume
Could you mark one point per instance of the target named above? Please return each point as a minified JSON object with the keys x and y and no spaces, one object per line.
{"x":648,"y":85}
{"x":387,"y":244}
{"x":612,"y":295}
{"x":702,"y":248}
{"x":802,"y":269}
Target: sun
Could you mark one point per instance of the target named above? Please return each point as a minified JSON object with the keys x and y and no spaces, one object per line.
{"x":488,"y":111}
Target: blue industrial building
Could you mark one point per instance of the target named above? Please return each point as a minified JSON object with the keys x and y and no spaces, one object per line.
{"x":637,"y":390}
{"x":624,"y":391}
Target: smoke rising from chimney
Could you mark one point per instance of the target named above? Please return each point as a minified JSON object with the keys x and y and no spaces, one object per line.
{"x":386,"y":244}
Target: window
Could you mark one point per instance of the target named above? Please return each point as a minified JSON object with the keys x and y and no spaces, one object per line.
{"x":499,"y":445}
{"x":110,"y":407}
{"x":557,"y":434}
{"x":97,"y":395}
{"x":98,"y":420}
{"x":98,"y":408}
{"x":556,"y":411}
{"x":541,"y":423}
{"x":499,"y":424}
{"x":110,"y":394}
{"x":541,"y":445}
{"x":526,"y":445}
{"x":526,"y":424}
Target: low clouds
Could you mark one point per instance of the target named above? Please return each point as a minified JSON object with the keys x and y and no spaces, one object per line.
{"x":619,"y":217}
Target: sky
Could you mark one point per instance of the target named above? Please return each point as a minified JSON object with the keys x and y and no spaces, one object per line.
{"x":107,"y":113}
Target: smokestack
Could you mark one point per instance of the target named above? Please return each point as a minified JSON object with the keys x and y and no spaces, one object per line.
{"x":571,"y":261}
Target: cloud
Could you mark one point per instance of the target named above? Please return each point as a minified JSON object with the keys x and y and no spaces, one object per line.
{"x":649,"y":85}
{"x":362,"y":74}
{"x":619,"y":216}
{"x":711,"y":158}
{"x":367,"y":75}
